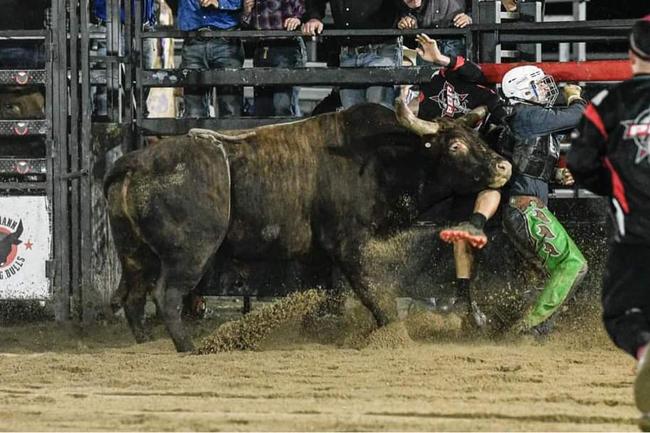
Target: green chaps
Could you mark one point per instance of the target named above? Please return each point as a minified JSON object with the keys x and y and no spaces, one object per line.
{"x":539,"y":236}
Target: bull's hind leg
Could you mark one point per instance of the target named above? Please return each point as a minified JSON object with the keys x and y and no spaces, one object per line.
{"x":138,"y":275}
{"x":177,"y":280}
{"x":140,"y":265}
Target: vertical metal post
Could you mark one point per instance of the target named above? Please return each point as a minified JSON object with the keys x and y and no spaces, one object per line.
{"x":60,"y":164}
{"x":128,"y":64}
{"x":85,"y":156}
{"x":580,"y":14}
{"x":73,"y":187}
{"x":49,"y":143}
{"x":112,"y":67}
{"x":138,"y":65}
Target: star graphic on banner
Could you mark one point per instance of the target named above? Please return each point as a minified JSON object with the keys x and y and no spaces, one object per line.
{"x":28,"y":245}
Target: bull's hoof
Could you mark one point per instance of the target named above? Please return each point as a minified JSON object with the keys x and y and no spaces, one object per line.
{"x":642,"y":385}
{"x":184,"y":346}
{"x":644,"y":422}
{"x":143,"y":337}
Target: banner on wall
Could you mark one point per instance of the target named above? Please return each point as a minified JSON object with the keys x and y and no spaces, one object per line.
{"x":25,"y":243}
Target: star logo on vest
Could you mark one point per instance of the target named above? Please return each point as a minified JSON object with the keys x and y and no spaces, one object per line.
{"x":639,"y":130}
{"x":451,"y":102}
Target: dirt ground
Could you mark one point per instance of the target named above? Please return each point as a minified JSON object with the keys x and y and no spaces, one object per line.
{"x":59,"y":377}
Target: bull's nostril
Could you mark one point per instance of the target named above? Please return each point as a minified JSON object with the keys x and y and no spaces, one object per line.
{"x":503,"y":166}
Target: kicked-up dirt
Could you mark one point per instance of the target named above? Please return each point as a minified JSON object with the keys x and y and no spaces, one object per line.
{"x":305,"y":376}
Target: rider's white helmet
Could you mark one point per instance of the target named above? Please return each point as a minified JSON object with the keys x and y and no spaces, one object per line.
{"x":529,"y":84}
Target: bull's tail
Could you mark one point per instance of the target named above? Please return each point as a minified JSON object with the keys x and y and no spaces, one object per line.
{"x":121,"y":168}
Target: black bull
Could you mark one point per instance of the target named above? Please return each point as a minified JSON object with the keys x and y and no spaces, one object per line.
{"x":325,"y":186}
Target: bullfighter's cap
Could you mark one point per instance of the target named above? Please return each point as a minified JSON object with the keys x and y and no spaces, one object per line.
{"x":640,"y":38}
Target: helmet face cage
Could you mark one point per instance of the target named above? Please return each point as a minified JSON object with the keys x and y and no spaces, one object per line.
{"x":545,"y":90}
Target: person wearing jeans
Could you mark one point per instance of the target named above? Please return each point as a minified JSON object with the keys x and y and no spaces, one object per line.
{"x":357,"y":52}
{"x":205,"y":52}
{"x":277,"y":52}
{"x":436,"y":14}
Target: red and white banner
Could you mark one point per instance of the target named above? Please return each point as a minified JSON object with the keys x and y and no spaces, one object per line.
{"x":25,"y":244}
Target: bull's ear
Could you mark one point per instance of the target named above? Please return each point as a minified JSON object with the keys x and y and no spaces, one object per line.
{"x":474,"y":117}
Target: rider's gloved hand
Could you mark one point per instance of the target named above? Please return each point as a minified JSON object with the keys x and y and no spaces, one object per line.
{"x":571,"y":93}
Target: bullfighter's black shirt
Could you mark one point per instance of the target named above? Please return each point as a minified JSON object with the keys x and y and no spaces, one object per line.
{"x":611,"y":155}
{"x":456,"y":90}
{"x":358,"y":14}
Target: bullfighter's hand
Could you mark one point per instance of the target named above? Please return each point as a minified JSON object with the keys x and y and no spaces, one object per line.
{"x":571,"y":93}
{"x":291,"y":24}
{"x":407,"y":22}
{"x":248,"y":7}
{"x":428,"y":48}
{"x":206,"y":3}
{"x":564,"y":177}
{"x":462,"y":20}
{"x":312,"y":27}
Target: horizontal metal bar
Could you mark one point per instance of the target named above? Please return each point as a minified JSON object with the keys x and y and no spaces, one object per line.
{"x":22,"y":77}
{"x":570,"y":193}
{"x":22,"y":186}
{"x":22,"y":166}
{"x":265,"y":34}
{"x":73,"y":175}
{"x":170,"y":126}
{"x":587,"y":27}
{"x":23,"y":127}
{"x":532,"y":38}
{"x":36,"y":34}
{"x":285,"y":76}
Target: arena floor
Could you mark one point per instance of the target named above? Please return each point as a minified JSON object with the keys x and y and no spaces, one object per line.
{"x":61,"y":378}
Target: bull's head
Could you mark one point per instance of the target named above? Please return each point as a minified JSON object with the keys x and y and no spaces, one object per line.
{"x":471,"y":164}
{"x":21,"y":103}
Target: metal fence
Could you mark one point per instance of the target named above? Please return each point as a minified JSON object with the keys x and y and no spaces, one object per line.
{"x":83,"y":266}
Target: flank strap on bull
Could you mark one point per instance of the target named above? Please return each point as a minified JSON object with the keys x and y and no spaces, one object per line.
{"x":216,"y":138}
{"x":209,"y":133}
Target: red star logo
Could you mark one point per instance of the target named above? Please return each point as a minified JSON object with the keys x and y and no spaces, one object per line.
{"x":28,"y":245}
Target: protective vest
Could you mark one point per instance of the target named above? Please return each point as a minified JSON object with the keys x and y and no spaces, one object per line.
{"x":536,"y":157}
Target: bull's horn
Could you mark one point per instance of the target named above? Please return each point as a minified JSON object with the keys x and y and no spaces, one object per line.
{"x":472,"y":118}
{"x":407,"y":119}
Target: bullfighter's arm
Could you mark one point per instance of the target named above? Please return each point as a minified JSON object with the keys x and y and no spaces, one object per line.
{"x":586,"y":159}
{"x":462,"y":69}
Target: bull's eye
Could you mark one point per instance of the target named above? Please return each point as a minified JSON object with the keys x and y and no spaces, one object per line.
{"x":454,"y":148}
{"x":427,"y":145}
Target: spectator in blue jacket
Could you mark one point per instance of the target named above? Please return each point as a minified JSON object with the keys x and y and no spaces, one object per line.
{"x":204,"y":52}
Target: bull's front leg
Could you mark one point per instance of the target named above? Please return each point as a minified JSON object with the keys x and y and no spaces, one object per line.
{"x":379,"y":300}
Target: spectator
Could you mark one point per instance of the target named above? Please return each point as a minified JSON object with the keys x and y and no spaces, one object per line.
{"x":206,"y":52}
{"x":438,"y":14}
{"x":361,"y":51}
{"x":99,"y":16}
{"x":279,"y":53}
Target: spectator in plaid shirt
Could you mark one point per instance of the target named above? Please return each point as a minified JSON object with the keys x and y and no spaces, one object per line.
{"x":276,"y":52}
